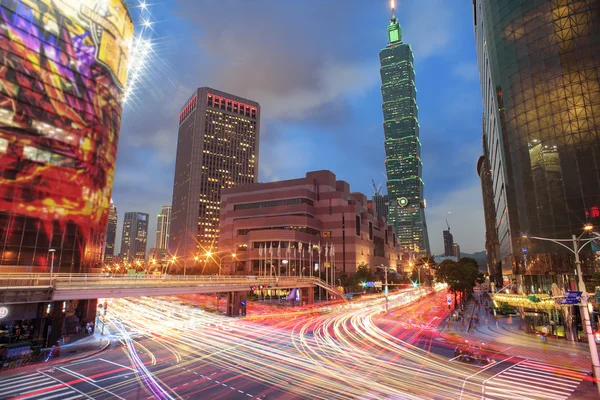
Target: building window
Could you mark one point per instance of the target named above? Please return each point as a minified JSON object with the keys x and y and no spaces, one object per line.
{"x":274,"y":203}
{"x":357,"y":225}
{"x":370,"y":230}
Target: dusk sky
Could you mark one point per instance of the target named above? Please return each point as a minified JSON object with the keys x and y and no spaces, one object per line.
{"x":313,"y":66}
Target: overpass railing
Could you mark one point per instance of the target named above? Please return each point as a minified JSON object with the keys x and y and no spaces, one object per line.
{"x":81,"y":281}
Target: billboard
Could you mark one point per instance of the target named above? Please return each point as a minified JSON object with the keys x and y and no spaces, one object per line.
{"x":62,"y":76}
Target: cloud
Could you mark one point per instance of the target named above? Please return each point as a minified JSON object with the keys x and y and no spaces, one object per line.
{"x":466,"y":219}
{"x":428,"y":26}
{"x":467,"y":71}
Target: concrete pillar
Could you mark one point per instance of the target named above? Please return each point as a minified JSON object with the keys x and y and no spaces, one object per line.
{"x":308,"y":295}
{"x":236,"y":304}
{"x":57,"y":321}
{"x":86,"y":309}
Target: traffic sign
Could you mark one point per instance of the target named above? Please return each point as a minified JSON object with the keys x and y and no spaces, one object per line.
{"x":370,"y":284}
{"x":377,"y":284}
{"x":570,"y":300}
{"x":449,"y":301}
{"x":243,"y":303}
{"x":573,"y":294}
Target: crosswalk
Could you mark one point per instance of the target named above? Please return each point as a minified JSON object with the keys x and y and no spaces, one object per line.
{"x":532,"y":380}
{"x":36,"y":386}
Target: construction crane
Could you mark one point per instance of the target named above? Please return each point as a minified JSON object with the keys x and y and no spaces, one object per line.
{"x":447,"y":224}
{"x":376,"y":189}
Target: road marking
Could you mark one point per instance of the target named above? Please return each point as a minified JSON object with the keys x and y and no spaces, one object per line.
{"x":477,"y":373}
{"x":240,"y":391}
{"x":53,"y":396}
{"x":248,"y":394}
{"x":195,"y":372}
{"x":22,"y":390}
{"x":91,"y":382}
{"x":120,"y":365}
{"x":77,"y":374}
{"x":8,"y":382}
{"x":63,"y":383}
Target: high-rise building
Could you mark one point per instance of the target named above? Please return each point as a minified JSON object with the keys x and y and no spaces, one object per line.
{"x":111,"y":234}
{"x":217,"y":148}
{"x":134,"y":236}
{"x":491,"y":235}
{"x":163,"y":227}
{"x":402,"y":145}
{"x":456,"y":251}
{"x":381,"y":204}
{"x":448,"y":243}
{"x":539,"y":63}
{"x":59,"y":129}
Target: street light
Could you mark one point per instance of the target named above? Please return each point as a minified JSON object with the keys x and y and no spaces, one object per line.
{"x":387,"y":303}
{"x":215,"y":257}
{"x":52,"y":263}
{"x":585,"y":313}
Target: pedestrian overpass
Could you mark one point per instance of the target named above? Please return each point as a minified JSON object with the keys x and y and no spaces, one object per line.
{"x":36,"y":288}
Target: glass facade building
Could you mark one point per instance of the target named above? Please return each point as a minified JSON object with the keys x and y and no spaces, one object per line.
{"x":163,"y":227}
{"x":134,"y":236}
{"x":111,"y":234}
{"x":217,"y":148}
{"x":539,"y":64}
{"x":402,"y":146}
{"x":64,"y":67}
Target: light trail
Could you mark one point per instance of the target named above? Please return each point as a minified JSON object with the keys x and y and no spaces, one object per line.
{"x":335,"y":353}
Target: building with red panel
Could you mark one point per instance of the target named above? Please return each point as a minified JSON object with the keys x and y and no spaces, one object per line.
{"x":301,"y":226}
{"x":217,"y":148}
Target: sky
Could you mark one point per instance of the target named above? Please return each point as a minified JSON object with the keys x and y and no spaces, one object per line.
{"x":313,"y":66}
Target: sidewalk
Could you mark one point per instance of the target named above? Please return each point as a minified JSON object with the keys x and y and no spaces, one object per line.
{"x":85,"y":347}
{"x":502,"y":334}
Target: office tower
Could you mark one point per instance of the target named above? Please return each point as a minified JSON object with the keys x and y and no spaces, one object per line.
{"x":381,"y":204}
{"x":402,"y":145}
{"x":111,"y":234}
{"x":539,"y":63}
{"x":134,"y":236}
{"x":59,"y":128}
{"x":448,"y":242}
{"x":163,"y":225}
{"x":491,"y":235}
{"x":217,"y":148}
{"x":456,"y":251}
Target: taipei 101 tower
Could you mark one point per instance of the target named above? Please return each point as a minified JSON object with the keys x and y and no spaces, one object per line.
{"x":402,"y":146}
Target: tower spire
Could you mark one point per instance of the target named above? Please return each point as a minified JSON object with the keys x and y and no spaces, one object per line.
{"x":394,"y":31}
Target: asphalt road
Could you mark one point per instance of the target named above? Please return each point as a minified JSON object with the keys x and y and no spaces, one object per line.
{"x":166,"y":349}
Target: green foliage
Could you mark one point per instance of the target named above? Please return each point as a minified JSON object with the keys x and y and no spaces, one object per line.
{"x":460,"y":276}
{"x":364,"y":273}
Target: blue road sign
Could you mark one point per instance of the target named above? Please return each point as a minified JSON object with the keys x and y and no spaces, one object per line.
{"x":570,"y":300}
{"x":243,"y":302}
{"x":573,"y":294}
{"x":370,"y":284}
{"x":449,"y":301}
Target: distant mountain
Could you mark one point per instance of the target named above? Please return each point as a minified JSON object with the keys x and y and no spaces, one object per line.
{"x":480,"y":257}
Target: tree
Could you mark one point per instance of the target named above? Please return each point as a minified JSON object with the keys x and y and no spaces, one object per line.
{"x":460,"y":276}
{"x":364,"y":273}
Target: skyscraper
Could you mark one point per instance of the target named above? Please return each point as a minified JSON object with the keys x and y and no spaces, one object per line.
{"x":448,"y":243}
{"x":134,"y":236}
{"x":163,"y":227}
{"x":402,"y":145}
{"x":217,"y":148}
{"x":456,"y":251}
{"x":489,"y":214}
{"x":538,"y":64}
{"x":111,"y":234}
{"x":381,"y":204}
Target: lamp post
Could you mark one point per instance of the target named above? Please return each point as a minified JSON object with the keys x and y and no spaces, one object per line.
{"x":52,"y":251}
{"x":387,"y":302}
{"x":578,"y":244}
{"x":214,"y":257}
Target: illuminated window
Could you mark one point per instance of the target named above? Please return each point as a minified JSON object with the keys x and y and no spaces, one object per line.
{"x":3,"y":145}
